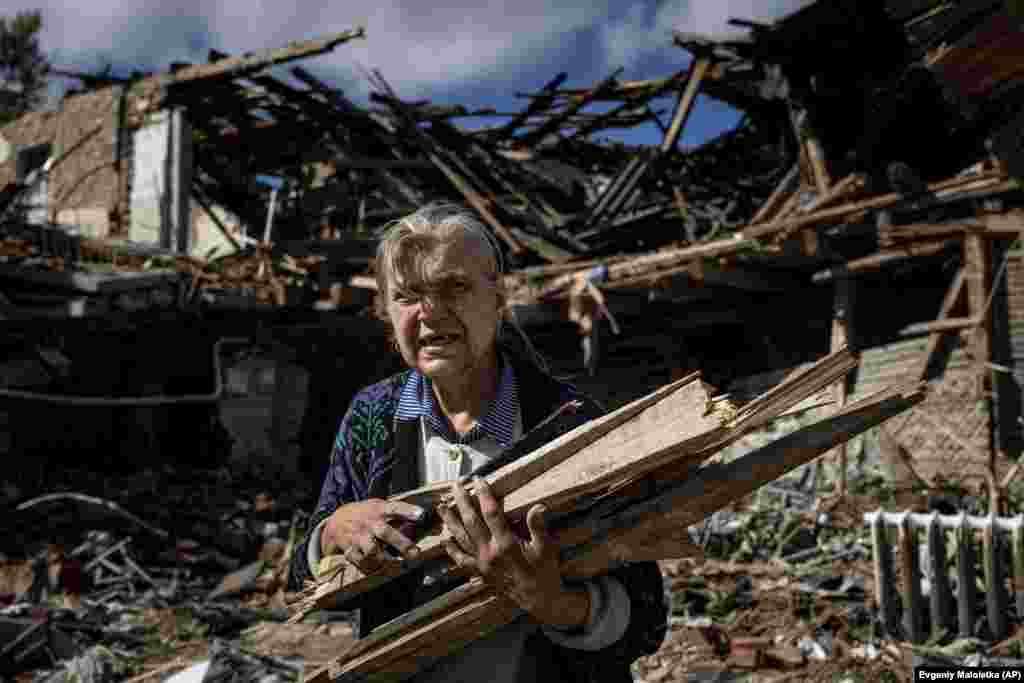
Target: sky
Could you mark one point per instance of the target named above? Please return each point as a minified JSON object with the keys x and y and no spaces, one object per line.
{"x":478,"y":54}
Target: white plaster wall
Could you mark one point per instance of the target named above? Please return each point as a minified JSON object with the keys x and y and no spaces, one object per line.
{"x":206,"y":235}
{"x":161,"y":182}
{"x":149,"y":180}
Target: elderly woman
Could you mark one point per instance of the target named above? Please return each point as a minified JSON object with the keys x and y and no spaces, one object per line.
{"x":463,"y":400}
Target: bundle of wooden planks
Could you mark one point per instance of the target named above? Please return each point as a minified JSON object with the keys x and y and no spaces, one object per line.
{"x":622,"y":488}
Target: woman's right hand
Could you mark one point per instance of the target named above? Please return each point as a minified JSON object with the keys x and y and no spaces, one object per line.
{"x":359,"y":531}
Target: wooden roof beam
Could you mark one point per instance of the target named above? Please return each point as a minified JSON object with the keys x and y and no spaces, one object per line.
{"x":233,"y":67}
{"x":881,"y":259}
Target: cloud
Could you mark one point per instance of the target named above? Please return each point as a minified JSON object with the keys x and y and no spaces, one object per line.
{"x":639,"y":33}
{"x":713,"y":17}
{"x":420,"y":47}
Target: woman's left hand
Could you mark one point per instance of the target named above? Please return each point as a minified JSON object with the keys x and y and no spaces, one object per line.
{"x":525,"y":571}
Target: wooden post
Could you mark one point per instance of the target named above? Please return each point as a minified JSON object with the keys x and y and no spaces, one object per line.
{"x":816,"y":157}
{"x":842,"y":335}
{"x":684,"y":105}
{"x":976,"y":278}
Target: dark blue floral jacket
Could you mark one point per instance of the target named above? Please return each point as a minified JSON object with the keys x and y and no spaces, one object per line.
{"x":374,"y":456}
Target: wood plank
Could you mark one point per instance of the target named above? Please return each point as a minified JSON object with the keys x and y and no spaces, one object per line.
{"x":651,"y":265}
{"x":809,"y":244}
{"x":942,"y":189}
{"x":851,"y":184}
{"x":237,"y":66}
{"x":453,"y":600}
{"x":536,"y":106}
{"x":634,"y":534}
{"x":816,"y":157}
{"x":1008,"y":224}
{"x":718,"y":485}
{"x":675,"y":423}
{"x":556,"y":120}
{"x":348,"y":581}
{"x":670,"y":423}
{"x":623,"y":425}
{"x":943,"y":325}
{"x":883,"y":258}
{"x":977,"y":280}
{"x":415,"y":650}
{"x":782,"y":191}
{"x":842,"y":336}
{"x":977,"y":276}
{"x":684,"y":105}
{"x":623,"y":454}
{"x":894,"y":234}
{"x":948,"y":303}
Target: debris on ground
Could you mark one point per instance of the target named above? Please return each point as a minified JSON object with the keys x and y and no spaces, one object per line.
{"x":180,"y":571}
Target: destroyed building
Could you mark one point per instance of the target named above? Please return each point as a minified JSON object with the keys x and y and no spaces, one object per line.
{"x":869,"y":197}
{"x":868,"y":202}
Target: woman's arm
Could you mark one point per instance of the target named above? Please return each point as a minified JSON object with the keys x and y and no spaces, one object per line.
{"x":343,"y":484}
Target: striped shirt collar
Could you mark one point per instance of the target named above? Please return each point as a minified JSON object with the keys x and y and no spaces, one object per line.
{"x":417,"y":400}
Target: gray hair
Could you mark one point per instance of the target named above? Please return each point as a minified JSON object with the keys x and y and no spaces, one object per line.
{"x":408,"y":240}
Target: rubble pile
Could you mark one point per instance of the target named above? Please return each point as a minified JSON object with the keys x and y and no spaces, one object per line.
{"x":785,"y":592}
{"x":872,"y":134}
{"x":260,"y":272}
{"x":825,"y":149}
{"x":191,"y":582}
{"x":115,"y":590}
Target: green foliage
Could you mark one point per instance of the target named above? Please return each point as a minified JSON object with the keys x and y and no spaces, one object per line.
{"x":187,"y":627}
{"x":695,"y":598}
{"x":804,"y":606}
{"x":23,"y":67}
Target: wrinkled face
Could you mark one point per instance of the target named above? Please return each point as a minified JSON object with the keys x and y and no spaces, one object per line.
{"x":447,"y":324}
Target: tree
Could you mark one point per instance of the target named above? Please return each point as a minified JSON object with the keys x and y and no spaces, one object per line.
{"x":23,"y":67}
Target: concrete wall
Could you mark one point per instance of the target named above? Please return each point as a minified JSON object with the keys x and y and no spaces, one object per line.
{"x":82,"y":135}
{"x":94,"y":222}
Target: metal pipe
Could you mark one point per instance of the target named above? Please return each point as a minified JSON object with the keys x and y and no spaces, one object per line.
{"x":1018,"y":569}
{"x":995,"y":593}
{"x":89,"y":401}
{"x":883,"y":574}
{"x":966,"y":591}
{"x":270,"y":215}
{"x":941,"y":597}
{"x":922,"y":521}
{"x":912,"y":621}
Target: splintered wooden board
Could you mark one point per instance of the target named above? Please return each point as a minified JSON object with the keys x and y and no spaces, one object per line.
{"x":680,"y":429}
{"x":348,"y":581}
{"x":680,"y":420}
{"x":677,"y":423}
{"x":524,"y":469}
{"x":649,"y":530}
{"x":397,"y":655}
{"x":633,"y":537}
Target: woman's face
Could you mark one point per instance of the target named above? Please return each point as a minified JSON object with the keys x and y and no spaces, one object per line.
{"x":447,"y":325}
